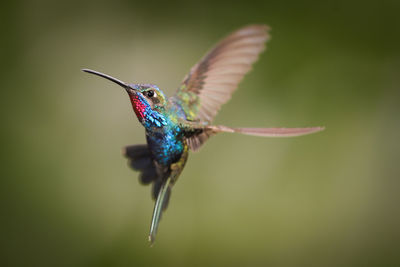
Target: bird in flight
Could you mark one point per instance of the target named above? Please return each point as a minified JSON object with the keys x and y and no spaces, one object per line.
{"x":183,"y":122}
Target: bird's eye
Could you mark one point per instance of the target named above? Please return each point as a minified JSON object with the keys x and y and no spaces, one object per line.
{"x":150,"y":93}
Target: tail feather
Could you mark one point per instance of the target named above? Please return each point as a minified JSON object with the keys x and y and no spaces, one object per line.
{"x":160,"y":205}
{"x":162,"y":189}
{"x":140,"y":159}
{"x":156,"y":191}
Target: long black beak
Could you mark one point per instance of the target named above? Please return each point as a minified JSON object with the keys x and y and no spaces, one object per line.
{"x":108,"y":77}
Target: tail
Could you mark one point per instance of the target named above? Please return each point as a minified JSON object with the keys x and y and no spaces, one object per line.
{"x":140,"y":160}
{"x":160,"y":205}
{"x":162,"y":188}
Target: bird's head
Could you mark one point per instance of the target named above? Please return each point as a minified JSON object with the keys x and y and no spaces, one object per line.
{"x":148,"y":101}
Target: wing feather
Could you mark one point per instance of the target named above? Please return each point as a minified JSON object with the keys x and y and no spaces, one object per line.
{"x":268,"y":132}
{"x":196,"y":141}
{"x":216,"y":76}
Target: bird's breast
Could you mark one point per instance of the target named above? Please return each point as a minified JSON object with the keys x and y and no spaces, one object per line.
{"x":166,"y":146}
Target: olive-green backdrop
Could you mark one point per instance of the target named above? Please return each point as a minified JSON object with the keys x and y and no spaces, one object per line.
{"x":328,"y":199}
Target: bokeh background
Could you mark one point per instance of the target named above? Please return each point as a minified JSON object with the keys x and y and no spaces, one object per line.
{"x":328,"y":199}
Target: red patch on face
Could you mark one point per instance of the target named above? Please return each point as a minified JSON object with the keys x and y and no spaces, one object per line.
{"x":138,"y":106}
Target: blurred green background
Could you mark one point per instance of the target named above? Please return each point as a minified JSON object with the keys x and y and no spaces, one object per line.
{"x":328,"y":199}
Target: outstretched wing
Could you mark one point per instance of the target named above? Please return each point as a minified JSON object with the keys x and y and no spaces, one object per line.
{"x":139,"y":159}
{"x":196,"y":141}
{"x":267,"y":132}
{"x":212,"y":81}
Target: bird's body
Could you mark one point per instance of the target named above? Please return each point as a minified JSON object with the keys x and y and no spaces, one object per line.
{"x":182,"y":122}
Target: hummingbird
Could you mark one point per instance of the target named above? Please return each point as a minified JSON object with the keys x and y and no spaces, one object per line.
{"x":183,"y":122}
